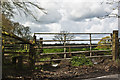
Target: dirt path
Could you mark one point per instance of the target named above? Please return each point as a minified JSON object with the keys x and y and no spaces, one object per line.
{"x":66,"y":72}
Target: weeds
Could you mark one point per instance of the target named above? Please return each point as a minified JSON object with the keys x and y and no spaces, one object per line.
{"x":80,"y":61}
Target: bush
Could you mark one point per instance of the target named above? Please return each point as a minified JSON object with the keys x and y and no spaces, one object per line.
{"x":104,"y":40}
{"x":80,"y":61}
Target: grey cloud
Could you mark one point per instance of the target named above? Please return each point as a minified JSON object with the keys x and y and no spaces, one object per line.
{"x":89,"y":15}
{"x":42,"y":28}
{"x":73,"y":26}
{"x":53,"y":16}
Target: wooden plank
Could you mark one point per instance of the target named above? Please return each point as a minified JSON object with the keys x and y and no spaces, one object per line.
{"x":64,"y":45}
{"x":72,"y":46}
{"x":8,"y":52}
{"x":115,"y":47}
{"x":72,"y":40}
{"x":76,"y":52}
{"x":72,"y":33}
{"x":71,"y":58}
{"x":16,"y":37}
{"x":16,"y":43}
{"x":90,"y":46}
{"x":99,"y":56}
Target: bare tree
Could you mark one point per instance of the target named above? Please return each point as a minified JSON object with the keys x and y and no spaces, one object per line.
{"x":116,"y":6}
{"x":64,"y":35}
{"x":9,"y":6}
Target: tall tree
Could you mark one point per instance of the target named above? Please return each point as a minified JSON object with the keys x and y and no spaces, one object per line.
{"x":21,"y":31}
{"x":8,"y":11}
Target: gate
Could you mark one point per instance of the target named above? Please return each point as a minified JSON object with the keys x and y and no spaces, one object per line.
{"x":67,"y":48}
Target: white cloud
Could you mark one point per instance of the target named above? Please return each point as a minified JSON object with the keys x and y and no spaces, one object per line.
{"x":82,"y":10}
{"x":36,"y":27}
{"x":72,"y":16}
{"x":54,"y":27}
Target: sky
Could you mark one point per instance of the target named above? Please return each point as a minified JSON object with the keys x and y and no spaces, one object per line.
{"x":72,"y":16}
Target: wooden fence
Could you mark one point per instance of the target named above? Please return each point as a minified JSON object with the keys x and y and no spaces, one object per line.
{"x":35,"y":49}
{"x":17,"y":50}
{"x":113,"y":44}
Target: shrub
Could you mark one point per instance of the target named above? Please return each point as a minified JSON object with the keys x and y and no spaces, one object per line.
{"x":80,"y":61}
{"x":104,"y":40}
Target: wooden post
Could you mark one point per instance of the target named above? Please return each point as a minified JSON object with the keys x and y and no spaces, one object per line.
{"x":3,"y":51}
{"x":90,"y":46}
{"x":31,"y":56}
{"x":41,"y":45}
{"x":13,"y":60}
{"x":3,"y":54}
{"x":34,"y":38}
{"x":111,"y":40}
{"x":64,"y":45}
{"x":70,"y":52}
{"x":32,"y":53}
{"x":115,"y":45}
{"x":20,"y":62}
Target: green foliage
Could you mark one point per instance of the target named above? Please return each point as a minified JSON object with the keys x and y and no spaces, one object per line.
{"x":80,"y":61}
{"x":52,"y":50}
{"x":104,"y":40}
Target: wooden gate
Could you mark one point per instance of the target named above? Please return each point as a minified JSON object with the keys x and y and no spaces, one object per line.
{"x":68,"y":48}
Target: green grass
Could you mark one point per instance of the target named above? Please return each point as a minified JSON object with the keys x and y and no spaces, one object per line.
{"x":62,"y":50}
{"x":67,"y":50}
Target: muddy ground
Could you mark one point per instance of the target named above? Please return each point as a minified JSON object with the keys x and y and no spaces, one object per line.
{"x":64,"y":71}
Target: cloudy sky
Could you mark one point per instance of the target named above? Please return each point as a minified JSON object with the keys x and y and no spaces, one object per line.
{"x":72,"y":16}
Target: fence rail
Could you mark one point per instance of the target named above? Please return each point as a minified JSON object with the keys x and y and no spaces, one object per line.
{"x":110,"y":56}
{"x":71,"y":33}
{"x":76,"y":52}
{"x":73,"y":40}
{"x":74,"y":46}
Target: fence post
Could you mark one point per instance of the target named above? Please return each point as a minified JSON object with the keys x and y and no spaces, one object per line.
{"x":34,"y":38}
{"x":111,"y":39}
{"x":64,"y":45}
{"x":31,"y":56}
{"x":90,"y":46}
{"x":20,"y":62}
{"x":32,"y":53}
{"x":70,"y":52}
{"x":3,"y":53}
{"x":41,"y":45}
{"x":115,"y":45}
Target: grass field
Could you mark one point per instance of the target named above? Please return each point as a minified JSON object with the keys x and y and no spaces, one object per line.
{"x":67,"y":50}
